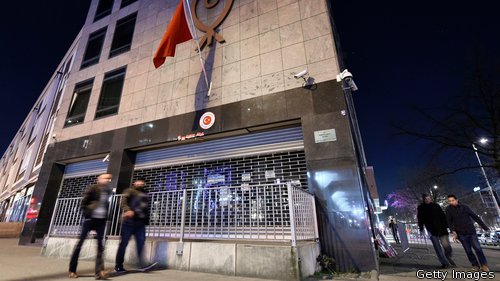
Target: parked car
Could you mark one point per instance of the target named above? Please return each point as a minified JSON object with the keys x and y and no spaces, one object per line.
{"x":496,"y":238}
{"x":485,"y":238}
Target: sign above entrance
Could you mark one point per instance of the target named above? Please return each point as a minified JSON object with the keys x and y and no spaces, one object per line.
{"x":209,"y":29}
{"x":207,"y":120}
{"x":325,"y":136}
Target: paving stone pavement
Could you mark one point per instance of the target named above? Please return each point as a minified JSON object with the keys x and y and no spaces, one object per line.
{"x":423,"y":257}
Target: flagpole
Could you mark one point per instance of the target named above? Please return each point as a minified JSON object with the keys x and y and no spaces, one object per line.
{"x":195,"y":37}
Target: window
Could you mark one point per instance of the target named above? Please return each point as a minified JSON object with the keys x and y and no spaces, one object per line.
{"x":122,"y":39}
{"x":94,"y":47}
{"x":79,"y":102}
{"x":126,"y":3}
{"x":111,"y":92}
{"x":103,"y":9}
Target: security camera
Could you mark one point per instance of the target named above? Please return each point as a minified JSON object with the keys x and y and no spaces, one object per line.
{"x":54,"y":136}
{"x":346,"y":77}
{"x":301,"y":74}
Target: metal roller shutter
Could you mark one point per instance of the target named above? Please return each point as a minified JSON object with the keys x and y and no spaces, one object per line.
{"x":85,"y":168}
{"x":251,"y":144}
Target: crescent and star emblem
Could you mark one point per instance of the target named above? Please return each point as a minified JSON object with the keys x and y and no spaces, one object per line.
{"x":209,"y":30}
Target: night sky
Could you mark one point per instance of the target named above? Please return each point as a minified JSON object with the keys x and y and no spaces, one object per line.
{"x":401,"y":55}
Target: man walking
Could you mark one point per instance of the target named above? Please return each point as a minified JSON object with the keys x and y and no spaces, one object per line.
{"x":134,"y":204}
{"x":95,"y":204}
{"x":460,"y":222}
{"x":430,"y":215}
{"x":394,"y":229}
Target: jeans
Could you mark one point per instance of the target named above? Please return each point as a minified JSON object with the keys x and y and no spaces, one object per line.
{"x":131,"y":227}
{"x":99,"y":225}
{"x":437,"y":242}
{"x":469,"y":242}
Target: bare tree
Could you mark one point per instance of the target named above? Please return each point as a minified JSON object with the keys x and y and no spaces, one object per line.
{"x":474,"y":201}
{"x":474,"y":114}
{"x":405,"y":200}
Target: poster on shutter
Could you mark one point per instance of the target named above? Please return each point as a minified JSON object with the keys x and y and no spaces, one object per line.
{"x":245,"y":187}
{"x":246,"y":177}
{"x":325,"y":136}
{"x":215,"y":178}
{"x":270,"y":174}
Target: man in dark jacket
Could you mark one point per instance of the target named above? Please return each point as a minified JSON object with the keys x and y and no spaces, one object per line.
{"x":431,"y":216}
{"x":95,"y":204}
{"x":394,"y":229}
{"x":460,"y":222}
{"x":135,"y":207}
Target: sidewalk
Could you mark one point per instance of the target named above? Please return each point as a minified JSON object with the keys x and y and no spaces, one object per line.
{"x":423,"y":257}
{"x":20,"y":263}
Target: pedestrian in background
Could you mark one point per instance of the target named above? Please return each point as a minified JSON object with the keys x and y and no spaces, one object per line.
{"x":394,"y":228}
{"x":432,"y":216}
{"x":461,"y":222}
{"x":95,"y":205}
{"x":135,"y":207}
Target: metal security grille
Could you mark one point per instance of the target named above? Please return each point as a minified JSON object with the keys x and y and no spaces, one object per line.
{"x":240,"y":171}
{"x":275,"y":212}
{"x":78,"y":176}
{"x":74,"y":187}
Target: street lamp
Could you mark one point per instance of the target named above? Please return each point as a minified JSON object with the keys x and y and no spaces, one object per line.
{"x":432,"y":194}
{"x":484,"y":141}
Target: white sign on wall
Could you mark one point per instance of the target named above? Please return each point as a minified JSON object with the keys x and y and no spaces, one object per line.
{"x":325,"y":136}
{"x":246,"y":177}
{"x":270,"y":174}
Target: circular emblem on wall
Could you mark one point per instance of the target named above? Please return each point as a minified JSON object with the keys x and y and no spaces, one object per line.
{"x":207,"y":120}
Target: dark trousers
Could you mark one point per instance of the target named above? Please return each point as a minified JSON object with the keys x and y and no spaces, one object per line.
{"x":129,"y":228}
{"x":99,"y":225}
{"x":437,"y":242}
{"x":469,"y":242}
{"x":395,"y":235}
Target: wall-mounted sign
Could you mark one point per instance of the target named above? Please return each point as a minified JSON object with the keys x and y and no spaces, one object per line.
{"x":209,"y":29}
{"x":216,"y":178}
{"x":325,"y":136}
{"x":190,"y":136}
{"x":270,"y":175}
{"x":246,"y":177}
{"x":207,"y":120}
{"x":245,"y":187}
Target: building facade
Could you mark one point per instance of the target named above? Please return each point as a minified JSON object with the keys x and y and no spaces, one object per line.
{"x":259,"y":124}
{"x":22,"y":161}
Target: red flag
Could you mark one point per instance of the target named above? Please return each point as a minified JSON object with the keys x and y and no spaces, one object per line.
{"x":177,"y":32}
